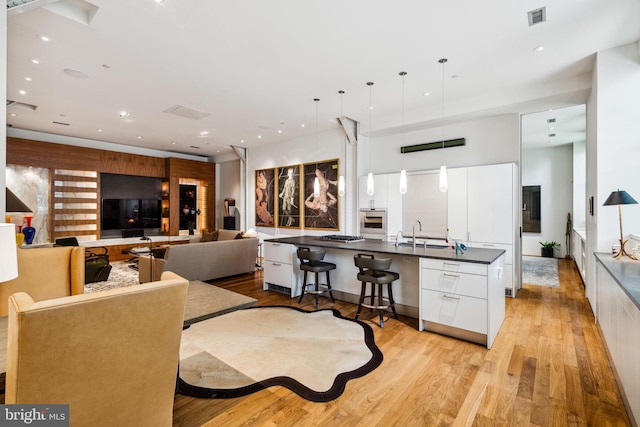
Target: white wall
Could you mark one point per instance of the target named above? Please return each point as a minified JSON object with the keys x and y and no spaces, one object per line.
{"x":488,"y":141}
{"x":330,"y":145}
{"x":551,"y":169}
{"x":612,"y":151}
{"x":579,"y":185}
{"x":618,"y":140}
{"x":227,"y":186}
{"x":3,"y":110}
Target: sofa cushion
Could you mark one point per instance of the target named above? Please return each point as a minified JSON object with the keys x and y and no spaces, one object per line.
{"x":209,"y":236}
{"x":228,"y":234}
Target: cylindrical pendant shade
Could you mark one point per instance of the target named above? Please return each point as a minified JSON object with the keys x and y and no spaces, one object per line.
{"x":444,"y":180}
{"x":8,"y":252}
{"x":341,"y":186}
{"x":370,"y":190}
{"x":403,"y":182}
{"x":316,"y":187}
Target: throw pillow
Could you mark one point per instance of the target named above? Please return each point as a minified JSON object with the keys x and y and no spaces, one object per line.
{"x":209,"y":236}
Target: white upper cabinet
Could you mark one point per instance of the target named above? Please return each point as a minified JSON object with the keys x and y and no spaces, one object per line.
{"x":457,"y":204}
{"x":490,"y":203}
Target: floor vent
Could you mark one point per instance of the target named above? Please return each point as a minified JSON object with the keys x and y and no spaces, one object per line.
{"x":278,"y":288}
{"x":433,"y":145}
{"x":537,"y":16}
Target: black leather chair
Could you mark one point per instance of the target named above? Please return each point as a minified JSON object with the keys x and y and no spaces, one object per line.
{"x":311,"y":261}
{"x":96,"y":260}
{"x":372,"y":270}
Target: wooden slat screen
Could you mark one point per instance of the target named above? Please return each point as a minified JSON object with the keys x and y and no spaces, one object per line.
{"x":75,"y":204}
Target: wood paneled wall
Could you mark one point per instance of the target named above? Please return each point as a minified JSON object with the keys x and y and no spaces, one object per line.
{"x":27,"y":152}
{"x":205,"y":172}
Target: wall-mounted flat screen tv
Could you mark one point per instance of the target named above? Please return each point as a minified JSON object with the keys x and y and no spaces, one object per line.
{"x":119,"y":214}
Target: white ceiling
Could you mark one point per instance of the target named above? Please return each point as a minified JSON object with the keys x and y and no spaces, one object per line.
{"x":255,"y":66}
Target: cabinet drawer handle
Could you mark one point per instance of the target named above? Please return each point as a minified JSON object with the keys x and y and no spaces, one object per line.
{"x":277,"y":244}
{"x":454,"y":264}
{"x":449,"y":296}
{"x":488,"y":245}
{"x":450,"y":275}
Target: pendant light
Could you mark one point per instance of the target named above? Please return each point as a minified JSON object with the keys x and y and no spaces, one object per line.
{"x":316,"y":182}
{"x":444,"y":181}
{"x":370,"y":189}
{"x":403,"y":173}
{"x":341,"y":178}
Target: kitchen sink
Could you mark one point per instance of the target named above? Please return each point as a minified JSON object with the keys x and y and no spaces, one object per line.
{"x":421,"y":245}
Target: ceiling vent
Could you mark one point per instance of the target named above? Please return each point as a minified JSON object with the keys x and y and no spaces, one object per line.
{"x":537,"y":16}
{"x":61,"y":123}
{"x":188,"y":113}
{"x":551,"y":135}
{"x":551,"y":120}
{"x":21,"y":105}
{"x":194,"y":147}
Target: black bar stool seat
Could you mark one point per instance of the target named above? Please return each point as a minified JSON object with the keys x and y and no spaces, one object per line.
{"x":311,"y":261}
{"x":373,"y":271}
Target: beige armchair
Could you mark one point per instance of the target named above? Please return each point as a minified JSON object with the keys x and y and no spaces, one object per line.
{"x":46,"y":273}
{"x":112,"y":356}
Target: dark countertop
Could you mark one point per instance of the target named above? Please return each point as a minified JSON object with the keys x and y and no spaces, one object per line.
{"x":475,"y":255}
{"x":624,"y":271}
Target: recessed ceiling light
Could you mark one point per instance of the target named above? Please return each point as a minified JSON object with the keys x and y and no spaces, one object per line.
{"x":427,"y":93}
{"x":12,"y":114}
{"x":242,"y":141}
{"x":279,"y":130}
{"x":22,"y":92}
{"x":173,"y":143}
{"x":34,"y":61}
{"x":98,"y":130}
{"x":43,"y":38}
{"x":204,"y":133}
{"x":28,"y":79}
{"x":302,"y":125}
{"x":124,"y":114}
{"x":538,"y":48}
{"x":217,"y":151}
{"x":139,"y":136}
{"x":259,"y":136}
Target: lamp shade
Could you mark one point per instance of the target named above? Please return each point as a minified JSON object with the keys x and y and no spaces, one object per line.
{"x":14,"y":204}
{"x":619,"y":198}
{"x":8,"y":254}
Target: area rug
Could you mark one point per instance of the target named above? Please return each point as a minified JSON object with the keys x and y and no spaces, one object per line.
{"x":540,"y":271}
{"x":312,"y":353}
{"x":121,"y":275}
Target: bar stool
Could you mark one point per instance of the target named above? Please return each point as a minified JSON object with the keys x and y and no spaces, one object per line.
{"x":373,"y":271}
{"x":311,"y":261}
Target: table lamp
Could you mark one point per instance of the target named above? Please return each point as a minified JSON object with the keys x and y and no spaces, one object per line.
{"x":8,"y":254}
{"x":620,"y":198}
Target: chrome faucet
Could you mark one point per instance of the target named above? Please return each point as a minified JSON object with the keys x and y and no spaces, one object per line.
{"x":398,"y":238}
{"x":414,"y":231}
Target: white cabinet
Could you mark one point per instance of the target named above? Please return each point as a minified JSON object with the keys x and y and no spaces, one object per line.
{"x":490,"y":203}
{"x":460,"y":299}
{"x":492,"y":215}
{"x":619,"y":319}
{"x":457,"y":204}
{"x":281,"y":269}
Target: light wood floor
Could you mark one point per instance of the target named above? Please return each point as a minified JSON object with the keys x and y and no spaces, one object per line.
{"x":548,"y":367}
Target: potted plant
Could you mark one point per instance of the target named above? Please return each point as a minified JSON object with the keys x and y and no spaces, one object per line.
{"x":547,"y":248}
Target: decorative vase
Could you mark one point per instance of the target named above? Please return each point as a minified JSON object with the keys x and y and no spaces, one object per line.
{"x":19,"y":236}
{"x":186,"y":209}
{"x":29,"y":231}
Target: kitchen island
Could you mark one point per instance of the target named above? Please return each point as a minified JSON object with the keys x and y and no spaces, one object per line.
{"x":458,"y":295}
